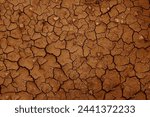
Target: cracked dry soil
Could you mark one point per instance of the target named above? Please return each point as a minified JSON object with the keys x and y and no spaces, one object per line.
{"x":75,"y":49}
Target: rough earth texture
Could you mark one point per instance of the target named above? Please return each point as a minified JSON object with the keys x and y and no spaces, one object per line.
{"x":75,"y":49}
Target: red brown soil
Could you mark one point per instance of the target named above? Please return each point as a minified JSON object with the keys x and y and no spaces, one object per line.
{"x":75,"y":49}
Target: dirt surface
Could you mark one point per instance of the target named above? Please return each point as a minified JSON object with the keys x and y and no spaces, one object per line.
{"x":75,"y":49}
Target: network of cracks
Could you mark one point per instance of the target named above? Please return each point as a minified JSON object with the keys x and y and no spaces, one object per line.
{"x":75,"y":49}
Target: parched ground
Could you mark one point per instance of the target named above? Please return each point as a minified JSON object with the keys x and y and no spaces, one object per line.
{"x":74,"y":49}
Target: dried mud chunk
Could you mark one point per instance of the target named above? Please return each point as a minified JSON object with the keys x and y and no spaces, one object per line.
{"x":57,"y":30}
{"x":15,"y":16}
{"x":14,"y":42}
{"x":92,"y":61}
{"x":8,"y":89}
{"x":68,"y":85}
{"x":7,"y":96}
{"x":27,"y":53}
{"x":16,"y":33}
{"x":16,"y":2}
{"x":121,"y":8}
{"x":46,"y":70}
{"x":121,"y":60}
{"x":24,"y":96}
{"x":73,"y":74}
{"x":80,"y":39}
{"x":112,"y":25}
{"x":36,"y":72}
{"x":100,"y":95}
{"x":72,"y":46}
{"x":108,"y":62}
{"x":24,"y":19}
{"x":84,"y":70}
{"x":12,"y":26}
{"x":113,"y":12}
{"x":54,"y":84}
{"x":110,"y":80}
{"x":1,"y":80}
{"x":61,"y":95}
{"x":59,"y":75}
{"x":21,"y":79}
{"x":106,"y":44}
{"x":39,"y":26}
{"x":131,"y":19}
{"x":94,"y":84}
{"x":118,"y":48}
{"x":66,"y":68}
{"x":52,"y":19}
{"x":13,"y":56}
{"x":51,"y":96}
{"x":115,"y":33}
{"x":104,"y":18}
{"x":32,"y":88}
{"x":41,"y":96}
{"x":38,"y":52}
{"x":75,"y":94}
{"x":7,"y":81}
{"x":67,"y":4}
{"x":139,"y":96}
{"x":116,"y":93}
{"x":81,"y":85}
{"x":127,"y":35}
{"x":41,"y":43}
{"x":47,"y":27}
{"x":60,"y":44}
{"x":2,"y":28}
{"x":39,"y":81}
{"x":64,"y":57}
{"x":91,"y":35}
{"x":27,"y":62}
{"x":135,"y":26}
{"x":101,"y":28}
{"x":139,"y":41}
{"x":141,"y":67}
{"x":79,"y":11}
{"x":80,"y":96}
{"x":105,"y":7}
{"x":99,"y":72}
{"x":9,"y":49}
{"x":41,"y":60}
{"x":52,"y":50}
{"x":144,"y":3}
{"x":11,"y":65}
{"x":145,"y":34}
{"x":131,"y":87}
{"x":128,"y":71}
{"x":35,"y":2}
{"x":3,"y":43}
{"x":36,"y":36}
{"x":86,"y":51}
{"x":45,"y":87}
{"x":51,"y":62}
{"x":143,"y":55}
{"x":62,"y":12}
